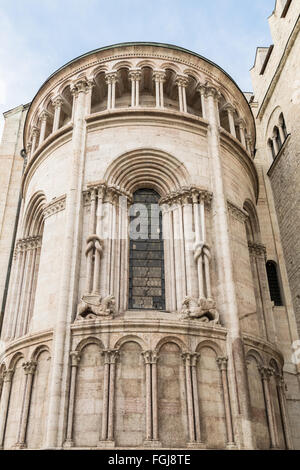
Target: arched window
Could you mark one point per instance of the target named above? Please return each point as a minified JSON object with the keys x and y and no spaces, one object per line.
{"x":274,"y":283}
{"x":146,"y":259}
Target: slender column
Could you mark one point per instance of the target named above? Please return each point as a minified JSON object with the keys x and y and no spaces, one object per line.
{"x":4,"y":404}
{"x":90,"y":248}
{"x":170,"y":241}
{"x":29,"y":150}
{"x":43,"y":117}
{"x":154,"y":396}
{"x":159,"y":78}
{"x":106,"y":354}
{"x":68,"y":283}
{"x":88,"y":101}
{"x":113,"y":358}
{"x":57,"y":104}
{"x":207,"y":271}
{"x":222,"y":363}
{"x":191,"y":281}
{"x":265,"y":376}
{"x":194,"y":359}
{"x":23,"y":246}
{"x":29,"y":368}
{"x":241,"y":124}
{"x":198,"y":244}
{"x":281,"y":132}
{"x":187,"y":362}
{"x":27,"y":290}
{"x":109,"y":90}
{"x":275,"y":143}
{"x":230,"y":111}
{"x":135,"y":76}
{"x":14,"y":289}
{"x":202,"y":90}
{"x":35,"y":134}
{"x":182,"y":83}
{"x":227,"y":301}
{"x":75,"y":359}
{"x":147,"y":359}
{"x":283,"y":410}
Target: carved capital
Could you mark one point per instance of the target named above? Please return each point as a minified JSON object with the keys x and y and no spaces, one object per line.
{"x":181,"y":80}
{"x":75,"y":358}
{"x":57,"y":101}
{"x":135,"y":74}
{"x":159,"y":75}
{"x":111,"y":77}
{"x":222,"y":363}
{"x":187,"y":358}
{"x":257,"y":249}
{"x":237,"y":212}
{"x":8,"y":375}
{"x":265,"y":372}
{"x":29,"y":367}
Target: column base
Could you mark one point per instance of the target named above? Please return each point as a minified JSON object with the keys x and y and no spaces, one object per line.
{"x":152,"y":443}
{"x":106,"y":444}
{"x":231,"y":446}
{"x":20,"y":445}
{"x":196,"y":445}
{"x":68,"y":444}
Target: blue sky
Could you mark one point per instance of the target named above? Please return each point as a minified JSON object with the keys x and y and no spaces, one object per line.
{"x":39,"y":36}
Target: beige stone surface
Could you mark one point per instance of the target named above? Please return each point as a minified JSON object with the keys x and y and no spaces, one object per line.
{"x":206,"y":371}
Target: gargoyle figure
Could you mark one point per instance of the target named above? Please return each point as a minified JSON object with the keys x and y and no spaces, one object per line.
{"x":92,"y":306}
{"x":202,"y":309}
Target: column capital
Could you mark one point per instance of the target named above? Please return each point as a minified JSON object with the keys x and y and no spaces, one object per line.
{"x":75,"y":358}
{"x":111,"y":77}
{"x":57,"y":101}
{"x":150,"y":357}
{"x":229,"y":107}
{"x":79,"y":86}
{"x":159,"y":75}
{"x":28,"y":147}
{"x":110,"y":355}
{"x":194,"y":359}
{"x":212,"y":91}
{"x":257,"y":249}
{"x":241,"y":123}
{"x":181,"y":80}
{"x":187,"y":358}
{"x":29,"y":367}
{"x":265,"y":372}
{"x":8,"y":375}
{"x":44,"y":115}
{"x":35,"y":131}
{"x":135,"y":74}
{"x":222,"y":362}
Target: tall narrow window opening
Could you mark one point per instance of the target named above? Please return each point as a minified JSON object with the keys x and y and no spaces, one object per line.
{"x":274,"y":286}
{"x":146,"y":257}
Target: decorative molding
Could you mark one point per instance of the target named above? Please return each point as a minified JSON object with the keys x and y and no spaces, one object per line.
{"x":108,"y":193}
{"x":257,"y":249}
{"x":237,"y":212}
{"x":57,"y":205}
{"x":28,"y":243}
{"x":186,"y":195}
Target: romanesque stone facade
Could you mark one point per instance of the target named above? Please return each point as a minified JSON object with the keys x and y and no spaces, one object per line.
{"x":165,"y":339}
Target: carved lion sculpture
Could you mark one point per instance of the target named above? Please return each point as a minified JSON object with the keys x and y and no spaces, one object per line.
{"x":202,"y":309}
{"x":91,"y":306}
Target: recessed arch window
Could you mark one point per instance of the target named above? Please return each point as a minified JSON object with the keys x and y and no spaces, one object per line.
{"x":146,"y":252}
{"x":273,"y":281}
{"x":283,"y":125}
{"x":271,"y":147}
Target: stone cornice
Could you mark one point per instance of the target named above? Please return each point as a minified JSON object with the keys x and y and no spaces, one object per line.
{"x":57,"y":205}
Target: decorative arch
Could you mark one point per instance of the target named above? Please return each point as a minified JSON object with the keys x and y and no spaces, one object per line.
{"x":147,"y":168}
{"x":171,"y":339}
{"x":86,"y":341}
{"x":252,"y":353}
{"x":130,"y":339}
{"x":211,"y":345}
{"x":252,"y":223}
{"x":38,"y":351}
{"x":33,"y":217}
{"x":15,"y":358}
